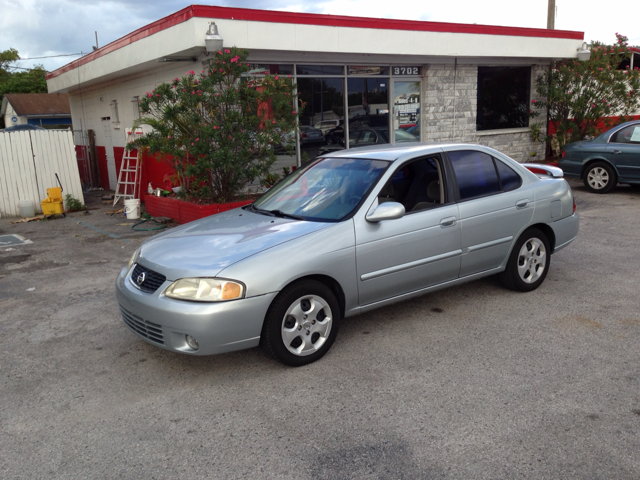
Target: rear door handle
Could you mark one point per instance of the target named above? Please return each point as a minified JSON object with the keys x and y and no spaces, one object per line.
{"x":524,"y":203}
{"x":448,"y":222}
{"x":616,"y":152}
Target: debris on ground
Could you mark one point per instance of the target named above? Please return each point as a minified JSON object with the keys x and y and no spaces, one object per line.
{"x":113,"y":212}
{"x":29,"y":219}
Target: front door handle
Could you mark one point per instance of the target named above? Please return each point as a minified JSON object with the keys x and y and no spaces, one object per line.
{"x":448,"y":222}
{"x":616,"y":152}
{"x":524,"y":203}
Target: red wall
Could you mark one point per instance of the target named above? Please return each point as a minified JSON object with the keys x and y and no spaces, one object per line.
{"x":101,"y":153}
{"x":601,"y":126}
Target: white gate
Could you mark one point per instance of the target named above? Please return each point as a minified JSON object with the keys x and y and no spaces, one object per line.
{"x":29,"y":161}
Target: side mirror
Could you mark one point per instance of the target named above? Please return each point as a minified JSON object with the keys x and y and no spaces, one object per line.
{"x":385,"y":211}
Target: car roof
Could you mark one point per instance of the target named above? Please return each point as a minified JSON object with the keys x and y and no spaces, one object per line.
{"x":24,"y":126}
{"x":392,"y":153}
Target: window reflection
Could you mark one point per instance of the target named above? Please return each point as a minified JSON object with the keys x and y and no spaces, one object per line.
{"x":322,"y":113}
{"x":320,"y":69}
{"x":368,"y":103}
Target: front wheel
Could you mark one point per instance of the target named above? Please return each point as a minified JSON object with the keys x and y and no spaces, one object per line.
{"x":301,"y":323}
{"x":599,"y":177}
{"x":528,"y":263}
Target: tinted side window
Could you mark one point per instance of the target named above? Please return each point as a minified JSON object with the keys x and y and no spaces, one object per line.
{"x":509,"y":179}
{"x":475,"y":173}
{"x":630,"y":134}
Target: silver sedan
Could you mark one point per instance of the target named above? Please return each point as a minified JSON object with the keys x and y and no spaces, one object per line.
{"x":353,"y":231}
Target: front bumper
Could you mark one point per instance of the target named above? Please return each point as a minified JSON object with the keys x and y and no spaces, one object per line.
{"x":565,"y":230}
{"x":165,"y":322}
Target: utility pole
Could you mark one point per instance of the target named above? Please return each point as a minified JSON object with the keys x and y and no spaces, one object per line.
{"x":551,"y":25}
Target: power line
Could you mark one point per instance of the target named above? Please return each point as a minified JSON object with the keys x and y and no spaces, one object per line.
{"x":52,"y":56}
{"x":18,"y":68}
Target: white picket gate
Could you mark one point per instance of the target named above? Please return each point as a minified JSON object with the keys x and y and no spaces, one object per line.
{"x":29,"y":161}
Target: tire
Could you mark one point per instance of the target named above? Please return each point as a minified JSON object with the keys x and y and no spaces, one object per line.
{"x":329,"y":140}
{"x":528,"y":263}
{"x":600,"y":177}
{"x":301,"y":323}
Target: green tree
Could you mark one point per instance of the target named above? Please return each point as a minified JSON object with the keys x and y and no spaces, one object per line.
{"x":219,"y":129}
{"x":587,"y":98}
{"x":20,"y":81}
{"x":29,"y":81}
{"x":6,"y":59}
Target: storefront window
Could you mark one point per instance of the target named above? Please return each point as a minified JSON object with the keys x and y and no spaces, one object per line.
{"x":320,"y":69}
{"x":367,"y":70}
{"x":273,"y":69}
{"x":321,"y":113}
{"x":503,"y":97}
{"x":368,"y":103}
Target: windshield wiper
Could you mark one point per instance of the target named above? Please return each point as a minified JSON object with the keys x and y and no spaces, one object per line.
{"x":259,"y":210}
{"x":281,"y":214}
{"x":273,"y":213}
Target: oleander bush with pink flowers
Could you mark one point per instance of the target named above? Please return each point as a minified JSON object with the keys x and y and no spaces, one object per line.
{"x":587,"y":98}
{"x":219,"y":127}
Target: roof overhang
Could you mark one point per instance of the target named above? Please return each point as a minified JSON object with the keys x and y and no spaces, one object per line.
{"x":299,"y":37}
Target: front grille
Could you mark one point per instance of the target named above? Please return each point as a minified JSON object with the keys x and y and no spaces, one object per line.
{"x":152,"y":280}
{"x":149,"y":330}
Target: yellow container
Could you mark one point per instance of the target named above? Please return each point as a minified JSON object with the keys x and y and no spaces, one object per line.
{"x":52,"y":208}
{"x":54,"y":194}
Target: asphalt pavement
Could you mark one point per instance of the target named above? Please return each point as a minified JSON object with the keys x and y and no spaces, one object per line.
{"x":471,"y":382}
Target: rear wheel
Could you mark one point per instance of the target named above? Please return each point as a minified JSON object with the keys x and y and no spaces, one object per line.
{"x":599,"y":177}
{"x":529,"y":262}
{"x":302,"y":323}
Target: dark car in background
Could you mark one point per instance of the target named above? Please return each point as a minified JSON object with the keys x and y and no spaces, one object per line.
{"x":309,"y":134}
{"x":611,"y":158}
{"x":21,"y":128}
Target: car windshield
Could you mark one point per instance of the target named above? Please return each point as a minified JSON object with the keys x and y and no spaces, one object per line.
{"x":327,"y":190}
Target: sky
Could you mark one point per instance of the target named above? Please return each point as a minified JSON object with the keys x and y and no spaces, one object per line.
{"x":48,"y":28}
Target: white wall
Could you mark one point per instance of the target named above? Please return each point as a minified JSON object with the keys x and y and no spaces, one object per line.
{"x":89,"y":106}
{"x":9,"y":114}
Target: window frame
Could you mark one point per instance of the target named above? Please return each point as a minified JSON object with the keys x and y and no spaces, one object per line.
{"x":446,"y":189}
{"x":454,"y":179}
{"x":526,"y":98}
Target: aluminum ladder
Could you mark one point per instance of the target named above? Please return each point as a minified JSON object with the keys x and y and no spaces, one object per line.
{"x":129,"y":175}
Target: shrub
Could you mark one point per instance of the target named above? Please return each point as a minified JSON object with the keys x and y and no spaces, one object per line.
{"x":583,"y":96}
{"x":219,"y":128}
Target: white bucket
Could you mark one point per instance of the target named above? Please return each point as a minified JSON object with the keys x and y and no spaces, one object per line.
{"x":26,"y":208}
{"x":132,"y":208}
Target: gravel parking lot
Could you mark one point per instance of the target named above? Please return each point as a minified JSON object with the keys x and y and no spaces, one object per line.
{"x":471,"y":382}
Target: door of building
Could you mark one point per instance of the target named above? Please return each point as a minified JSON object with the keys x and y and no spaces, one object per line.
{"x":111,"y":159}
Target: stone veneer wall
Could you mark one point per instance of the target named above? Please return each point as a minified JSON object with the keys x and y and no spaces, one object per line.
{"x":450,"y":106}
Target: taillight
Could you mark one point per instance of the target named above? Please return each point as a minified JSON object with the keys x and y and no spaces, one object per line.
{"x":564,"y":154}
{"x":304,"y":135}
{"x":574,"y":204}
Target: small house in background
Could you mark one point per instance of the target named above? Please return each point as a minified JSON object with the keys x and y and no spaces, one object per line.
{"x":48,"y":110}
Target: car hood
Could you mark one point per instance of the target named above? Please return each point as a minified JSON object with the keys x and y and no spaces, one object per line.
{"x":207,"y":246}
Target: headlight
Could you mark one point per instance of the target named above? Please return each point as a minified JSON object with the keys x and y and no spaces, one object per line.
{"x":133,"y":258}
{"x":205,"y":289}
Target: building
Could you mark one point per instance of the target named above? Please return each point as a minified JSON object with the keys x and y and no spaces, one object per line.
{"x":437,"y":81}
{"x":49,"y":110}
